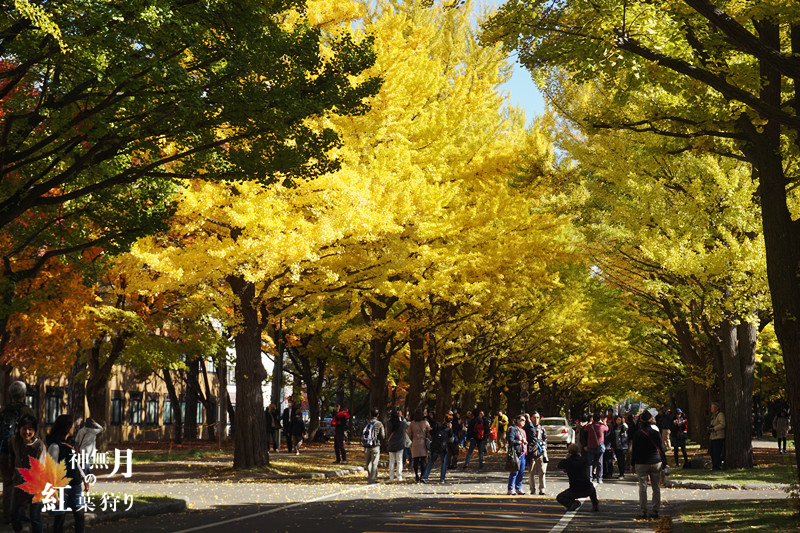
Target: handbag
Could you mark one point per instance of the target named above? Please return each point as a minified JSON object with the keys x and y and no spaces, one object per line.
{"x":512,"y":459}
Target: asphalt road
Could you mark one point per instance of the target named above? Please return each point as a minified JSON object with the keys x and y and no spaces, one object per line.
{"x":471,"y":501}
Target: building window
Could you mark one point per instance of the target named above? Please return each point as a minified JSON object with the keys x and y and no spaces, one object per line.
{"x":168,"y":414}
{"x":151,"y":415}
{"x":117,"y":408}
{"x":53,"y":404}
{"x":32,"y":397}
{"x":135,"y":408}
{"x":199,"y":413}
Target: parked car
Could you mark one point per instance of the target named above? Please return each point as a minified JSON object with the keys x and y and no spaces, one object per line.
{"x":559,"y":431}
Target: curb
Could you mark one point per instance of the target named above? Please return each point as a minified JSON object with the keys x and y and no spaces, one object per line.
{"x":670,"y":484}
{"x":333,"y":473}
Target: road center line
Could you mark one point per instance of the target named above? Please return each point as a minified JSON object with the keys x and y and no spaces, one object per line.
{"x":270,"y":511}
{"x":565,"y":520}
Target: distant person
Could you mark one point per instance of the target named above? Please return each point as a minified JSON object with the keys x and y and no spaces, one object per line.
{"x":398,"y":434}
{"x":679,"y":433}
{"x":9,"y":418}
{"x":420,"y":432}
{"x":62,"y":448}
{"x":273,"y":425}
{"x":479,"y":433}
{"x":371,"y":437}
{"x":454,"y":447}
{"x":286,"y":423}
{"x":716,"y":430}
{"x":621,"y":445}
{"x":780,"y":424}
{"x":340,"y":420}
{"x":86,"y":439}
{"x":24,"y":445}
{"x":516,"y":437}
{"x":646,"y":462}
{"x":298,"y":426}
{"x":580,"y":485}
{"x":502,"y":428}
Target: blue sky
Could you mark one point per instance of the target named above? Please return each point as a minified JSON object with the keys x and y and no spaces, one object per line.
{"x":521,"y":88}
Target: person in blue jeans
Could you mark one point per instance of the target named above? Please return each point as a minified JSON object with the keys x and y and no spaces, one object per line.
{"x":441,"y":437}
{"x":477,"y":431}
{"x":516,"y":438}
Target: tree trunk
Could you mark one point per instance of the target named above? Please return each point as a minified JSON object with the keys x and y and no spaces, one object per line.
{"x":249,"y":433}
{"x":697,"y":410}
{"x":177,"y":415}
{"x":209,"y":403}
{"x":76,"y":390}
{"x":416,"y":372}
{"x":468,"y":374}
{"x":379,"y":354}
{"x":222,"y":377}
{"x":738,"y":398}
{"x":190,"y":425}
{"x":781,"y":232}
{"x":444,"y":391}
{"x":276,"y":396}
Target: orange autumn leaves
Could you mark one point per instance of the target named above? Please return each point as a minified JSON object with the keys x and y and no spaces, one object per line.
{"x":41,"y":474}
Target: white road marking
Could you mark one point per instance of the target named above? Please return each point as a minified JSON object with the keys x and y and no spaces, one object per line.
{"x":565,"y":520}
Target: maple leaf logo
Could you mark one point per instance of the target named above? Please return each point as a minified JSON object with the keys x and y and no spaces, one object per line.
{"x":40,"y":474}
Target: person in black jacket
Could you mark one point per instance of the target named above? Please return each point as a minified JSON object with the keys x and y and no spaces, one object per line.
{"x":441,"y":437}
{"x":647,"y":460}
{"x":273,"y":424}
{"x":286,"y":419}
{"x":478,"y":431}
{"x":580,"y":486}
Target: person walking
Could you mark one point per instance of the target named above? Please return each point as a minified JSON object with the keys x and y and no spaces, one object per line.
{"x":537,"y":452}
{"x":420,"y":432}
{"x":479,"y":432}
{"x":610,"y":438}
{"x":646,"y":461}
{"x":441,"y":437}
{"x":680,"y":428}
{"x":340,"y":421}
{"x":780,"y":425}
{"x":516,"y":437}
{"x":621,"y":446}
{"x":371,"y":438}
{"x":454,"y":447}
{"x":398,"y":434}
{"x":298,"y":430}
{"x":24,"y":445}
{"x":716,"y":430}
{"x":580,"y":485}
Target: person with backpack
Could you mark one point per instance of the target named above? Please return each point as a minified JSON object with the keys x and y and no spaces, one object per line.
{"x":24,"y":445}
{"x":478,"y":432}
{"x":86,"y":439}
{"x":371,"y":437}
{"x":596,"y":445}
{"x":441,"y":437}
{"x":454,"y":447}
{"x":647,"y":460}
{"x":9,"y":418}
{"x":420,"y":432}
{"x":61,"y":449}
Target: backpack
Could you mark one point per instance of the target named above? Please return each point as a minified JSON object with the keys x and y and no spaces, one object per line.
{"x":438,"y":439}
{"x":368,"y":437}
{"x":479,"y":434}
{"x":8,"y":425}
